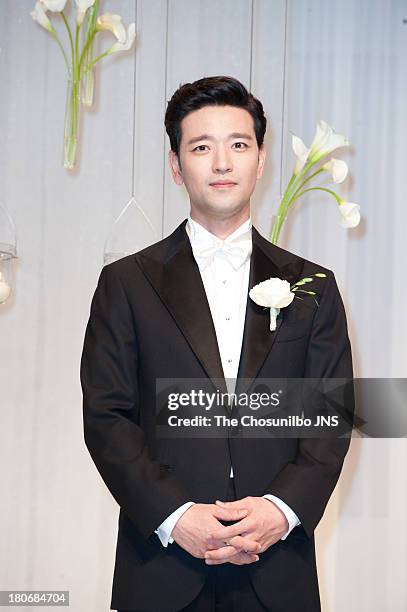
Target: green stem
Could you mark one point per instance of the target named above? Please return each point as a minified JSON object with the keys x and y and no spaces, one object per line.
{"x":70,"y":39}
{"x":71,"y":124}
{"x":100,"y":57}
{"x":335,"y":195}
{"x":295,"y":195}
{"x":296,"y":183}
{"x":55,"y":35}
{"x":280,"y":217}
{"x":85,"y":48}
{"x":285,"y":202}
{"x":77,"y":64}
{"x":90,"y":30}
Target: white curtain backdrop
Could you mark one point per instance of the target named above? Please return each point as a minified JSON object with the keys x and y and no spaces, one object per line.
{"x":344,"y":62}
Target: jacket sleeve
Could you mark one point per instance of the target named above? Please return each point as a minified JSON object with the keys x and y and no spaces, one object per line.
{"x":307,"y":483}
{"x":109,"y":378}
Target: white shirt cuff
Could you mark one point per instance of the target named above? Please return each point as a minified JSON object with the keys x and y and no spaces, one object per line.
{"x":290,"y":515}
{"x":165,"y":529}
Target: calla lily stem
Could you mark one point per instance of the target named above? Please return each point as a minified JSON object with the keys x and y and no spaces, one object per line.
{"x":326,"y":140}
{"x":335,"y":195}
{"x":293,"y":192}
{"x":55,"y":35}
{"x":70,"y":37}
{"x":286,"y":200}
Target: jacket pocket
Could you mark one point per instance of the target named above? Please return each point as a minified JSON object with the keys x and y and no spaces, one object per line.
{"x":296,"y":330}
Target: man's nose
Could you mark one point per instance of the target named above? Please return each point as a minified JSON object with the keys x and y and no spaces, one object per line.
{"x":222,"y":161}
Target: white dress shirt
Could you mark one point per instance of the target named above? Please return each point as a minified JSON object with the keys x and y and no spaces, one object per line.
{"x":226,"y":282}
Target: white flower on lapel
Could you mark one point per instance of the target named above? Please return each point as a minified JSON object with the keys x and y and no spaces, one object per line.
{"x":272,"y":293}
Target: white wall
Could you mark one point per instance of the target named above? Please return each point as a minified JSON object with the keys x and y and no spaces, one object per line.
{"x":344,"y":62}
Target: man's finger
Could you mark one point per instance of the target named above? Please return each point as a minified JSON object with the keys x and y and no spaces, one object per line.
{"x":245,"y":544}
{"x":221,"y":554}
{"x":237,"y":560}
{"x":225,"y":533}
{"x":244,"y":559}
{"x":224,"y":555}
{"x":239,"y":504}
{"x":229,"y":514}
{"x":240,"y":543}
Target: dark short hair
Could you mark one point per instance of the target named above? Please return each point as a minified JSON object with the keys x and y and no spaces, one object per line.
{"x":211,"y":91}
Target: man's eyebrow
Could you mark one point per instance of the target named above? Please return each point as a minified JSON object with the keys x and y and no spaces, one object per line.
{"x":209,"y":137}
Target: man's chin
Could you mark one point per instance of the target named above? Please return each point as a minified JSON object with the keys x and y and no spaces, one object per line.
{"x":224,"y":211}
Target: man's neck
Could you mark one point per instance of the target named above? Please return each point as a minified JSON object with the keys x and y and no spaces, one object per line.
{"x":222,"y":228}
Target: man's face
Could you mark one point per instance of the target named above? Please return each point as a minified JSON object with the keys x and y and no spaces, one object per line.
{"x":220,"y":161}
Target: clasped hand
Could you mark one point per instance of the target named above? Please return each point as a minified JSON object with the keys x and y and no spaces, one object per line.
{"x":259,"y":524}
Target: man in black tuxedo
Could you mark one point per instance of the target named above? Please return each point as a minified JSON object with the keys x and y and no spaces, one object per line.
{"x":221,"y":523}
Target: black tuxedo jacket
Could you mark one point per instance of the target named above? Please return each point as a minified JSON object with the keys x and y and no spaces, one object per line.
{"x":150,"y":318}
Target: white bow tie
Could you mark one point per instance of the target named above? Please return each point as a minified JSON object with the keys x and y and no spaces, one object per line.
{"x":236,"y":252}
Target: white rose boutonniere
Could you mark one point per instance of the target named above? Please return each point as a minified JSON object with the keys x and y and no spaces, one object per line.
{"x":275,"y":293}
{"x":272,"y":293}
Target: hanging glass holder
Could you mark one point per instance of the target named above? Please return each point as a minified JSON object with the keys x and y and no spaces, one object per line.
{"x":8,"y":252}
{"x":72,"y":115}
{"x":131,"y":232}
{"x":87,"y":85}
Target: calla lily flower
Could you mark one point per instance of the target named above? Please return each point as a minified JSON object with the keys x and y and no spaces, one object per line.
{"x":79,"y":58}
{"x":125,"y":46}
{"x":350,"y":214}
{"x":55,"y":6}
{"x":82,"y":6}
{"x":325,"y":141}
{"x":307,"y":167}
{"x":337,"y":168}
{"x":113,"y":23}
{"x":301,"y":152}
{"x":39,"y":15}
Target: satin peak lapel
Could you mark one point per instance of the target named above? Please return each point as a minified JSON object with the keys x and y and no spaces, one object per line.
{"x":266,"y":261}
{"x":177,"y":280}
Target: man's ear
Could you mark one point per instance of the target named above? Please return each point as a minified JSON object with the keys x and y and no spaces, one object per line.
{"x":175,"y":167}
{"x":261,"y":162}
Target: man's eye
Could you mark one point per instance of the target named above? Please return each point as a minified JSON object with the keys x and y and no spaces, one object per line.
{"x":200,"y":148}
{"x":240,"y":145}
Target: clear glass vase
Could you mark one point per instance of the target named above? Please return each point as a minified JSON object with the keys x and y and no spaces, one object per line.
{"x":88,"y":72}
{"x":88,"y":80}
{"x":131,"y":232}
{"x":72,"y":113}
{"x":8,"y":252}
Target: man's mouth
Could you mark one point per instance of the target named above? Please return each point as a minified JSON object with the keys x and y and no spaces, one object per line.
{"x":222,"y":184}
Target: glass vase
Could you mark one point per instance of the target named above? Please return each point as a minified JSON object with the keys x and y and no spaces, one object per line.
{"x":88,"y":72}
{"x":72,"y":110}
{"x":131,"y":232}
{"x":88,"y":80}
